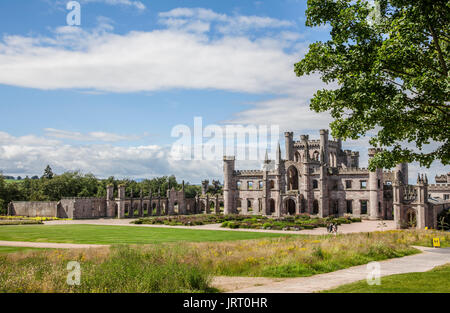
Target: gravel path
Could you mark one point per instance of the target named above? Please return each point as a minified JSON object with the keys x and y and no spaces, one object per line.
{"x":423,"y":262}
{"x":364,"y":226}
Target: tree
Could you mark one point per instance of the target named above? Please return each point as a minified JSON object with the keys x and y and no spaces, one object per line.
{"x":392,"y":75}
{"x":48,"y":173}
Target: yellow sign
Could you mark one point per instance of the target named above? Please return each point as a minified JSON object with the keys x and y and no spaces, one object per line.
{"x":436,"y":243}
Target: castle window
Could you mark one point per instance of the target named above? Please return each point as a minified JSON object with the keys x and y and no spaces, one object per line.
{"x":239,"y":185}
{"x":272,"y":184}
{"x":446,"y":197}
{"x":350,"y":206}
{"x":250,"y":185}
{"x":261,"y":184}
{"x":379,"y":207}
{"x":363,"y":184}
{"x":363,"y":206}
{"x":379,"y":183}
{"x":315,"y":184}
{"x":348,"y":184}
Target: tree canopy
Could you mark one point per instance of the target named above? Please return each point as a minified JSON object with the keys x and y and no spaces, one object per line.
{"x":390,"y":66}
{"x":75,"y":184}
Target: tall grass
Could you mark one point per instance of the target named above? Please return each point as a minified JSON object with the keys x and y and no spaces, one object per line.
{"x":121,"y":269}
{"x":189,"y":267}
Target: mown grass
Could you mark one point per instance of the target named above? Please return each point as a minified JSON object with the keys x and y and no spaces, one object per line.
{"x":7,"y":250}
{"x":96,"y":234}
{"x":120,"y":269}
{"x":434,"y":281}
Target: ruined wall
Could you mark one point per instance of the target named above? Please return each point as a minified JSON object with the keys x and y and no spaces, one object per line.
{"x":34,"y":209}
{"x":85,"y":208}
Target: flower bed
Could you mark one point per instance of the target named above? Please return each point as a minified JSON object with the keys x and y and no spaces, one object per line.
{"x":297,"y":222}
{"x":38,"y":218}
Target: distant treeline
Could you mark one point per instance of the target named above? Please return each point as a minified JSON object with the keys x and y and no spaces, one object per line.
{"x":52,"y":187}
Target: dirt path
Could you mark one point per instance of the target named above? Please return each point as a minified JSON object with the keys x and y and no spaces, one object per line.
{"x":48,"y":245}
{"x":364,"y":226}
{"x":423,"y":262}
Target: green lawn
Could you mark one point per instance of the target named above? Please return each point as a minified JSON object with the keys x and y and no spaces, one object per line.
{"x":434,"y":281}
{"x":6,"y":250}
{"x":95,"y":234}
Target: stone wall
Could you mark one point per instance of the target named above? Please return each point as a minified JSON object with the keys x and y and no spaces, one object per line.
{"x":34,"y":209}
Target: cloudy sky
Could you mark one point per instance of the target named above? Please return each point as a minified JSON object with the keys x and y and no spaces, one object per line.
{"x":104,"y":96}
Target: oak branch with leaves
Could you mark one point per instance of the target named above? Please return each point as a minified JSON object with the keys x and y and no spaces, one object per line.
{"x":391,"y":75}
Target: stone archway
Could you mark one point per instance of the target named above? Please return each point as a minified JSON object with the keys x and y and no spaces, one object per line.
{"x":271,"y":206}
{"x":290,"y":206}
{"x":315,"y":207}
{"x":411,"y":218}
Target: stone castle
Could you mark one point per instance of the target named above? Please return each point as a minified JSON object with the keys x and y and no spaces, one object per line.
{"x":316,"y":177}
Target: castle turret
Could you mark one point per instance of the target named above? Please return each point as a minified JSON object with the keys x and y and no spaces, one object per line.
{"x":403,"y":169}
{"x":375,"y":189}
{"x":324,"y":146}
{"x":229,"y":185}
{"x":289,"y":141}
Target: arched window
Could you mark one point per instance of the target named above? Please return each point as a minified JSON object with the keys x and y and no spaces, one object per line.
{"x":272,"y":184}
{"x":298,"y":157}
{"x":292,"y":178}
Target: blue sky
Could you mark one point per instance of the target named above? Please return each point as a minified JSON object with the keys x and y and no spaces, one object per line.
{"x":104,"y":96}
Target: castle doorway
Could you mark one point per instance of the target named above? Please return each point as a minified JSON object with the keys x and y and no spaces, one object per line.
{"x":315,"y":207}
{"x":411,"y":219}
{"x":290,"y":206}
{"x":271,"y":206}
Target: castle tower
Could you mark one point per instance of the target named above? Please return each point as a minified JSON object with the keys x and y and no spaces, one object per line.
{"x":289,"y":142}
{"x":229,"y":185}
{"x":324,"y":146}
{"x":375,"y":189}
{"x":403,"y":169}
{"x":422,"y":217}
{"x":398,"y":194}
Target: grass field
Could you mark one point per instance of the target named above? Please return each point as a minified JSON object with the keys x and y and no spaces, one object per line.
{"x":95,"y":234}
{"x":6,"y":250}
{"x":434,"y":281}
{"x":188,"y":267}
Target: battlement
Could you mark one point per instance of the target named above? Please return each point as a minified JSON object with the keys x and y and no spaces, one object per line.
{"x":353,"y":170}
{"x":82,"y":198}
{"x":248,"y":172}
{"x":435,"y":187}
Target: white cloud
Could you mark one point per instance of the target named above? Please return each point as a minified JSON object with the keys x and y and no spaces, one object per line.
{"x":92,"y":136}
{"x":146,"y":61}
{"x":137,"y":4}
{"x":28,"y":155}
{"x":225,"y":24}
